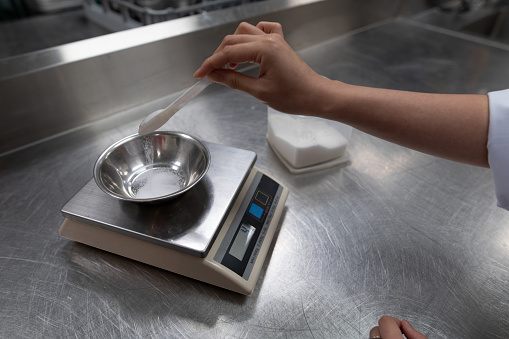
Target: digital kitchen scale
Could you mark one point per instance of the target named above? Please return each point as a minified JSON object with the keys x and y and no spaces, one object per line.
{"x":219,"y":232}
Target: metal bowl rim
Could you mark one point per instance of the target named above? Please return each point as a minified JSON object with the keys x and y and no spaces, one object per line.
{"x":122,"y":141}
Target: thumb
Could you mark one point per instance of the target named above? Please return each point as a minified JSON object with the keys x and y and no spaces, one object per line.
{"x":410,"y":332}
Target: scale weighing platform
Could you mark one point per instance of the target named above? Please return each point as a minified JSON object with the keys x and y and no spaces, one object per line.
{"x":219,"y":232}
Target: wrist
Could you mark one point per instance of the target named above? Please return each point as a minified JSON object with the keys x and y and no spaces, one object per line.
{"x":334,"y":99}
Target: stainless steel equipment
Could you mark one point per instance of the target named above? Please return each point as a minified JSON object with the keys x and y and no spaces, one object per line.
{"x":51,"y":6}
{"x":164,"y":4}
{"x":152,"y":168}
{"x":219,"y":232}
{"x":395,"y":232}
{"x":487,"y":19}
{"x":117,"y":15}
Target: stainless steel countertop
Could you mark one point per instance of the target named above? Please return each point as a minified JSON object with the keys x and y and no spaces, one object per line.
{"x":395,"y":232}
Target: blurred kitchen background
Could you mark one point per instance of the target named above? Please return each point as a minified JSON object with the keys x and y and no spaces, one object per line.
{"x":58,"y":48}
{"x":32,"y":25}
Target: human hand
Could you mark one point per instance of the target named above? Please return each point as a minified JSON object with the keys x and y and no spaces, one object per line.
{"x":393,"y":328}
{"x":285,"y":82}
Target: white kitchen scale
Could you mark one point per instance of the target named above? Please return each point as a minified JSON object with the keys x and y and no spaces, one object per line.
{"x":219,"y":232}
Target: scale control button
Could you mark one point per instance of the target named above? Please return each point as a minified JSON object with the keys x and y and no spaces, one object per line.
{"x":256,"y":210}
{"x":262,"y":197}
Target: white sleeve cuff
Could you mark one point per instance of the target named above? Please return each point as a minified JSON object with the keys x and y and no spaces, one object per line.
{"x":498,"y":144}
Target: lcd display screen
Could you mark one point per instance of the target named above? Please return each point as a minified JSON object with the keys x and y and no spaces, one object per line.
{"x":241,"y":241}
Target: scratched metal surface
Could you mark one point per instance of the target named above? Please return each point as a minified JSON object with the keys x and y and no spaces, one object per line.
{"x":394,"y":232}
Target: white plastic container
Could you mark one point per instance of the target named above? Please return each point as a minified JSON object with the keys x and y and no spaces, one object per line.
{"x":306,"y":143}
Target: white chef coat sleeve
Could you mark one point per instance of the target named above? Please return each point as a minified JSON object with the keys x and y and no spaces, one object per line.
{"x":498,"y":144}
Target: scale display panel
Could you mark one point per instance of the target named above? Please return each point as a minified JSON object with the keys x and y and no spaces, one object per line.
{"x":240,"y":246}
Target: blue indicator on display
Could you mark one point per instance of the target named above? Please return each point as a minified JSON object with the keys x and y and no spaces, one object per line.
{"x":256,"y":210}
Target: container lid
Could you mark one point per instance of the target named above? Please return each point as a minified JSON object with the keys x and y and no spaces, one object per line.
{"x":317,"y":167}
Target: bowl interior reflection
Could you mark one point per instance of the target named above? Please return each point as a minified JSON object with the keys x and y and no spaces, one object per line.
{"x":152,"y":167}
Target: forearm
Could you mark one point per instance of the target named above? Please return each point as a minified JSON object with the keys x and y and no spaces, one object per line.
{"x":450,"y":126}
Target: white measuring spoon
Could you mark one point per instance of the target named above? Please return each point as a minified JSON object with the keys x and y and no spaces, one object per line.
{"x":158,"y":118}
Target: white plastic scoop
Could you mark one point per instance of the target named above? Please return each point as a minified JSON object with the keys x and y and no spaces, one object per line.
{"x":158,"y":118}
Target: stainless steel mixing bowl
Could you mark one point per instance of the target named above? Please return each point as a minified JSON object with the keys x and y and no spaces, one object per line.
{"x":153,"y":167}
